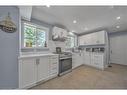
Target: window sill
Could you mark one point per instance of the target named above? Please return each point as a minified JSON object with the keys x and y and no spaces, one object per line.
{"x":32,"y":49}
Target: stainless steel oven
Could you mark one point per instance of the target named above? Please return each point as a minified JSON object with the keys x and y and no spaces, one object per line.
{"x":65,"y":64}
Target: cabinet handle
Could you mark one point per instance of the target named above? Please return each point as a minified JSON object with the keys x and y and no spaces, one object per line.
{"x":37,"y":61}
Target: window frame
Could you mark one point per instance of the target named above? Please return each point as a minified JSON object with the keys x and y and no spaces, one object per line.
{"x":75,"y":41}
{"x":38,"y":27}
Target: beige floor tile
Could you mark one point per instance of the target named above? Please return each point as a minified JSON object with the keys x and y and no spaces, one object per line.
{"x":85,"y":77}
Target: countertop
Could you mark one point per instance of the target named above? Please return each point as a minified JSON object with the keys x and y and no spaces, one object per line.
{"x":36,"y":55}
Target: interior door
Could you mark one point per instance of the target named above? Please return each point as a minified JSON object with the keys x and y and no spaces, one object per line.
{"x":118,"y":53}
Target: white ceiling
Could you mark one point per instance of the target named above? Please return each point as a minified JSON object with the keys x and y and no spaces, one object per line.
{"x":89,"y":18}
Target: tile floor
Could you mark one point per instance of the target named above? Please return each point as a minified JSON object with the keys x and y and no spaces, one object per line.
{"x":85,"y":77}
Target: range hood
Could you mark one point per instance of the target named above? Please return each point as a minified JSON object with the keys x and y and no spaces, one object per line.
{"x":59,"y":34}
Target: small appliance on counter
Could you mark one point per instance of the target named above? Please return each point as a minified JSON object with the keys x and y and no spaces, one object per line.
{"x":58,"y":50}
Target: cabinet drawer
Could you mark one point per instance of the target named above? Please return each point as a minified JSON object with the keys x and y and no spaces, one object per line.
{"x":54,"y":57}
{"x":54,"y":70}
{"x":54,"y":73}
{"x":52,"y":60}
{"x":53,"y":66}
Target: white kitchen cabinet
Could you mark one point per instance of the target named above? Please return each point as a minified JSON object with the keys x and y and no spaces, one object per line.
{"x":27,"y":72}
{"x":42,"y":68}
{"x":97,"y":60}
{"x":87,"y":58}
{"x":81,"y":40}
{"x":85,"y":40}
{"x":88,"y":40}
{"x":54,"y":66}
{"x":92,"y":38}
{"x":77,"y":59}
{"x":100,"y":37}
{"x":94,"y":59}
{"x":36,"y":69}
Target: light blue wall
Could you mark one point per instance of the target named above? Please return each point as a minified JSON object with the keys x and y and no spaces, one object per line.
{"x":9,"y":47}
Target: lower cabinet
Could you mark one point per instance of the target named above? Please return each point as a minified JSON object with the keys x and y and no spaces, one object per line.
{"x":94,"y":59}
{"x":77,"y":59}
{"x":53,"y":66}
{"x":42,"y":68}
{"x":34,"y":70}
{"x":87,"y":58}
{"x":97,"y":60}
{"x":27,"y":72}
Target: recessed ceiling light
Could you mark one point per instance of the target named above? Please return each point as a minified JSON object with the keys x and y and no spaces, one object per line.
{"x":118,"y":18}
{"x":74,"y":21}
{"x":48,"y":6}
{"x":117,"y":26}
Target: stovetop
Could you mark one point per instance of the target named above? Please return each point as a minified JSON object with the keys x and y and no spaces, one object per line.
{"x":64,"y":54}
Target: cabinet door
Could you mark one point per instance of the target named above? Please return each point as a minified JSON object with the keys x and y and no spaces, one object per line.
{"x":94,"y":38}
{"x":81,"y":40}
{"x":77,"y":60}
{"x":87,"y":58}
{"x":43,"y":68}
{"x":100,"y":37}
{"x":98,"y":60}
{"x":88,"y":39}
{"x":27,"y":72}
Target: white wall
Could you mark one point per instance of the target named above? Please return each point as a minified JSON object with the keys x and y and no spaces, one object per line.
{"x":118,"y":48}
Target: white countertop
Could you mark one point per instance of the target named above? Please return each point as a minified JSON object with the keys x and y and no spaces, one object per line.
{"x":36,"y":55}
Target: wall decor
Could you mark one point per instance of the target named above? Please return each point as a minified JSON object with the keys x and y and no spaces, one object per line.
{"x":7,"y":25}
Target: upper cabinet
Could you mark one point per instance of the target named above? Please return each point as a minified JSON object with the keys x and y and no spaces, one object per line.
{"x":96,"y":38}
{"x":59,"y":34}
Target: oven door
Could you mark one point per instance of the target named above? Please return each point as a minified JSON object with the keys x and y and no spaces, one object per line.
{"x":65,"y":64}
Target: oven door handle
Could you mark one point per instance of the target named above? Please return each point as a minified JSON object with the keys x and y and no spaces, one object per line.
{"x":66,"y":58}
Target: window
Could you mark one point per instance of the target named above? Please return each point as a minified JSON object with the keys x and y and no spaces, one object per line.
{"x":70,"y":42}
{"x":34,"y":36}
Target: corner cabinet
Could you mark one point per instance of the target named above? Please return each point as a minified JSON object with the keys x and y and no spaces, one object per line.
{"x":92,"y":38}
{"x":37,"y":69}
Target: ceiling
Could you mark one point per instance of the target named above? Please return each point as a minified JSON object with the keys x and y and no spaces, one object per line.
{"x":88,"y":18}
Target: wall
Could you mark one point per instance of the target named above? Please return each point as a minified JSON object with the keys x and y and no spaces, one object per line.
{"x":9,"y":45}
{"x":118,"y":47}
